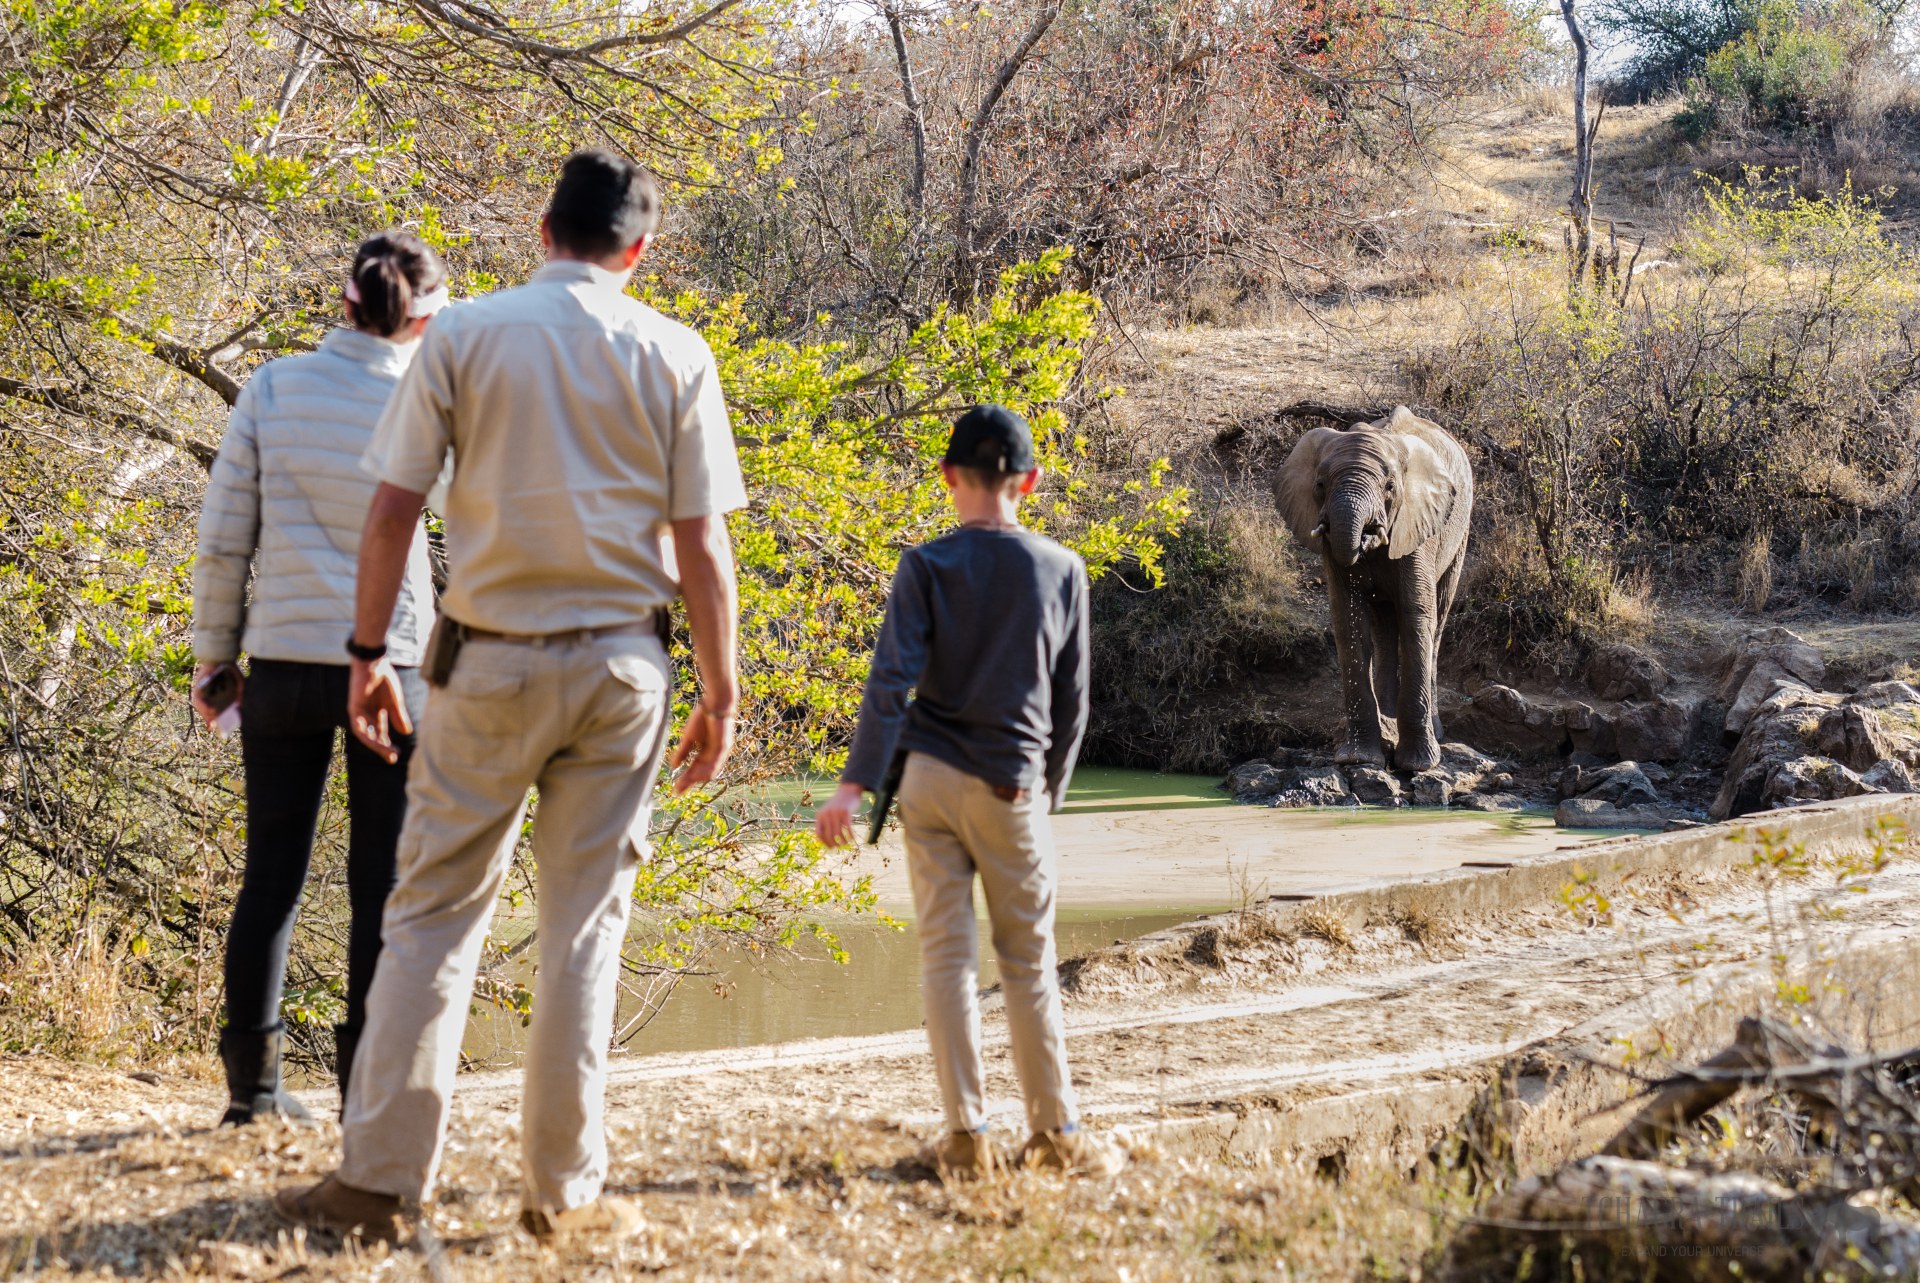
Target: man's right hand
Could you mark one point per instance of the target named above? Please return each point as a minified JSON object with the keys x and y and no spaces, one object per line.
{"x":706,"y":741}
{"x":376,"y":709}
{"x":833,"y":822}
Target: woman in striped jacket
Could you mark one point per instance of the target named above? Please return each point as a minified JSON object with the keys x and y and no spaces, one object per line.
{"x":287,"y":498}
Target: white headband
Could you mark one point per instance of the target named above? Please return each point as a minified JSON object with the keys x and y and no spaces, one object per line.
{"x":429,"y":303}
{"x":422,"y":305}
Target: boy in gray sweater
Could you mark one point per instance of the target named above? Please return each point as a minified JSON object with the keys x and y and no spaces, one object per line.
{"x":987,"y":625}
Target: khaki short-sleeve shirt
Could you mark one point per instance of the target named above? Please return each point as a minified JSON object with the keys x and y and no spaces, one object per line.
{"x":580,"y":422}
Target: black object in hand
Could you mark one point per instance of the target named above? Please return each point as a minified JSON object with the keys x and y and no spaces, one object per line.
{"x":219,"y":688}
{"x":883,"y":800}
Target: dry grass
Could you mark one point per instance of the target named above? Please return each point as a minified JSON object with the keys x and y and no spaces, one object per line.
{"x":761,"y":1199}
{"x":1755,"y":573}
{"x":1316,"y":924}
{"x":1420,"y":925}
{"x":70,"y":999}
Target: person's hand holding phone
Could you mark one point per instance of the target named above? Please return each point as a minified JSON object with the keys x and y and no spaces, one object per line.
{"x":215,"y":694}
{"x":376,"y":709}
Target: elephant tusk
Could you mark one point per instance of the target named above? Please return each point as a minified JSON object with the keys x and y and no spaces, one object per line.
{"x":1318,"y":530}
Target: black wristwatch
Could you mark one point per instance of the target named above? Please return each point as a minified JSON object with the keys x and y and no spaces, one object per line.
{"x":368,"y":653}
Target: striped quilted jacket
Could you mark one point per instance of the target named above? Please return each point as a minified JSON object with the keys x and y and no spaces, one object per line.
{"x":288,"y":498}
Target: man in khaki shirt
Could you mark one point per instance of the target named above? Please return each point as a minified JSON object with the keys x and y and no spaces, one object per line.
{"x":583,"y":427}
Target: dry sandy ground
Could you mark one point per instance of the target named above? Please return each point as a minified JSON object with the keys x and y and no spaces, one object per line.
{"x":796,"y":1162}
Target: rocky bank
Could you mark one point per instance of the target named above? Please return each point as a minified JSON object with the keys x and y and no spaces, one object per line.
{"x":1638,"y":746}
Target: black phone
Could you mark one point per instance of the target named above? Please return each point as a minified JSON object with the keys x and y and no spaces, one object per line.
{"x":219,"y":688}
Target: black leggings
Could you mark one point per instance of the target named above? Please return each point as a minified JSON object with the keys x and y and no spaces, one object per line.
{"x":289,"y":713}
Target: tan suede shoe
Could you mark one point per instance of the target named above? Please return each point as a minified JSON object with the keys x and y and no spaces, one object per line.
{"x":335,"y":1205}
{"x":608,"y":1216}
{"x":963,"y":1156}
{"x":1076,"y":1153}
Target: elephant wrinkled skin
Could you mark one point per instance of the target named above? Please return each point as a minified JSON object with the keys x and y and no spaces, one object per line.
{"x":1387,"y":506}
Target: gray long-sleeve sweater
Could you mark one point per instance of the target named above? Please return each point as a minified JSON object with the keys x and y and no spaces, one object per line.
{"x":989,"y":629}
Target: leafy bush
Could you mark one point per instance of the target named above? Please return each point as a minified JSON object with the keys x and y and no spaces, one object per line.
{"x":1790,"y":71}
{"x":1671,"y":40}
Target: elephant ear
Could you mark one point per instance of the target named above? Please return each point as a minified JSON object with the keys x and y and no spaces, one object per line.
{"x":1427,"y":488}
{"x":1294,"y":492}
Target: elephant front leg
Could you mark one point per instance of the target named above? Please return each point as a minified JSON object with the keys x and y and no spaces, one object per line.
{"x":1419,"y":746}
{"x":1362,"y":744}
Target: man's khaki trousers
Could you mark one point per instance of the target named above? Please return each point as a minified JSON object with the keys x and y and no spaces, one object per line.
{"x":585,"y":722}
{"x":956,"y":828}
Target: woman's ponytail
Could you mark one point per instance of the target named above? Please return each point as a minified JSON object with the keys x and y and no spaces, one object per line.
{"x":390,"y":271}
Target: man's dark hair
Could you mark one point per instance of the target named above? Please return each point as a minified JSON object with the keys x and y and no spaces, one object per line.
{"x":602,"y":204}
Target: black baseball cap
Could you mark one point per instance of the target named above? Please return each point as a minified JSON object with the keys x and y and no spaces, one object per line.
{"x":992,"y":438}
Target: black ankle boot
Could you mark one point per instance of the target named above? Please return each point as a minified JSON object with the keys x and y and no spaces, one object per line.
{"x":253,"y":1078}
{"x":346,"y":1040}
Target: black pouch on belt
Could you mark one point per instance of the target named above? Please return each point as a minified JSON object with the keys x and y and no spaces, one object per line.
{"x":443,"y":648}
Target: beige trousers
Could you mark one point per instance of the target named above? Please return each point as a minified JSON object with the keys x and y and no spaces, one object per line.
{"x":585,"y":723}
{"x":956,"y":828}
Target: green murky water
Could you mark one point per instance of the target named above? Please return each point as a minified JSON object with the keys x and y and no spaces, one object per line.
{"x":746,"y":1000}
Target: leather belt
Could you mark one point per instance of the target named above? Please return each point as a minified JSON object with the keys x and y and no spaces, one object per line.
{"x":656,"y":625}
{"x":1008,"y":793}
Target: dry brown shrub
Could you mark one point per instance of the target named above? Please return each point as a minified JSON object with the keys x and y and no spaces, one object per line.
{"x":1756,"y":571}
{"x":1319,"y":924}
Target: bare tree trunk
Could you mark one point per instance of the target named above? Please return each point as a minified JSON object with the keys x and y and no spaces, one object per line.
{"x":1580,"y":243}
{"x":916,"y":116}
{"x":966,"y":225}
{"x":142,"y":461}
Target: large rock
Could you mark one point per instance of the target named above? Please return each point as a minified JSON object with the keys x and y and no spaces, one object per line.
{"x":1432,"y":788}
{"x":1657,"y":731}
{"x":1758,"y":663}
{"x":1886,"y":695}
{"x":1501,"y":717}
{"x":1590,"y":730}
{"x":1315,"y":786}
{"x":1493,"y":802}
{"x":1890,"y":776}
{"x":1254,"y":781}
{"x":1811,"y":779}
{"x":1373,"y":786}
{"x":1463,"y":760}
{"x":1803,"y":745}
{"x":1779,"y":730}
{"x":1851,"y":736}
{"x":1597,"y":813}
{"x":1622,"y":784}
{"x":1616,"y":671}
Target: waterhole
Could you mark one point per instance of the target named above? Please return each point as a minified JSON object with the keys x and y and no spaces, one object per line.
{"x":1138,"y":852}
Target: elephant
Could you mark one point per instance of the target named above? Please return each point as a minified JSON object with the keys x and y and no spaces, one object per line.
{"x":1387,"y":505}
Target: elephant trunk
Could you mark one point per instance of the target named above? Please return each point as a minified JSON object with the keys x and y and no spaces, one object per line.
{"x":1356,"y":520}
